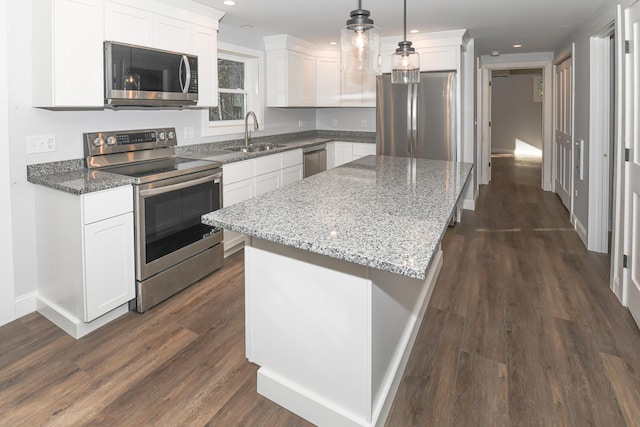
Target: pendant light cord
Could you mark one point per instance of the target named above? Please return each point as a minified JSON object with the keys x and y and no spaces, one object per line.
{"x":405,"y":20}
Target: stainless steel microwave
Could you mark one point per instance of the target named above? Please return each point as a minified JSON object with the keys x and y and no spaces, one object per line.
{"x":138,"y":76}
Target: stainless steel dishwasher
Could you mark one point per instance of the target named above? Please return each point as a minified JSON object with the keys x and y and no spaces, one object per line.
{"x":315,"y":159}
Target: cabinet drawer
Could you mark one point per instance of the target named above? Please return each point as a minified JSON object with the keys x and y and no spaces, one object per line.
{"x":107,"y":204}
{"x":291,"y":158}
{"x":268,"y":164}
{"x":238,"y":171}
{"x":362,"y":149}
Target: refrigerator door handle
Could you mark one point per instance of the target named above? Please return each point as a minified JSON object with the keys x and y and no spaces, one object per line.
{"x":412,"y":117}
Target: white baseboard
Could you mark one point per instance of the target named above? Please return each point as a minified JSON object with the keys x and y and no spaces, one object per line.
{"x":582,"y":231}
{"x":501,"y":151}
{"x":26,"y":304}
{"x":70,"y":323}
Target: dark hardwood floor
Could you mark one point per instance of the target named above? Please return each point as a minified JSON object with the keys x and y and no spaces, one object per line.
{"x":522,"y":329}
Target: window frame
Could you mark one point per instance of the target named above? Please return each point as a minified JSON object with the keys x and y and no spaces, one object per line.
{"x":254,"y":82}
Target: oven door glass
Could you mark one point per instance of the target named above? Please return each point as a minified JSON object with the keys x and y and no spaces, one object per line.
{"x":168,"y":220}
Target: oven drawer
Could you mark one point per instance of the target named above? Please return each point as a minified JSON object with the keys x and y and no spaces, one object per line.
{"x":107,"y":204}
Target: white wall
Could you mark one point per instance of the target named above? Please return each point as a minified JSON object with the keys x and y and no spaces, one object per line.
{"x":514,"y":114}
{"x":7,"y":291}
{"x":351,"y":119}
{"x":581,"y":37}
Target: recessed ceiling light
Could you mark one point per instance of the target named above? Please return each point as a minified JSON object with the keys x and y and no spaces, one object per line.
{"x":229,"y":2}
{"x":495,"y":53}
{"x":246,"y":27}
{"x":517,"y":46}
{"x":414,"y":31}
{"x":333,"y":43}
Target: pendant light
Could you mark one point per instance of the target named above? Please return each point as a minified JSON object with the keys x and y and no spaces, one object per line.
{"x":360,"y":43}
{"x":405,"y":62}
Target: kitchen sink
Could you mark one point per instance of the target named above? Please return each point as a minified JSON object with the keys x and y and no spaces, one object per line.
{"x":253,"y":148}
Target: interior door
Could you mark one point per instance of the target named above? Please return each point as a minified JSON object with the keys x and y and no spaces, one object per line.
{"x":632,"y":232}
{"x":563,"y":137}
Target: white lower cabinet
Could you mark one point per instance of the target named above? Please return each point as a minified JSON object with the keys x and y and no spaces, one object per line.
{"x":109,"y":283}
{"x":249,"y":178}
{"x":86,"y":259}
{"x":342,"y":152}
{"x":292,"y":174}
{"x":268,"y":182}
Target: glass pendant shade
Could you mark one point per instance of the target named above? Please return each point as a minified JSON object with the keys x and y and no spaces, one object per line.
{"x":405,"y":64}
{"x":360,"y":43}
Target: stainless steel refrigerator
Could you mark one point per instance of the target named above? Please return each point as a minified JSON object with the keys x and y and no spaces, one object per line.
{"x":433,"y":121}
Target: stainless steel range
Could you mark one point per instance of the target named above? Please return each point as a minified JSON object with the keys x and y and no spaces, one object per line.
{"x":173,"y":248}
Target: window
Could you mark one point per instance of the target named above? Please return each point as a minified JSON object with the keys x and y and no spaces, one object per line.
{"x":238,"y":91}
{"x":232,"y":95}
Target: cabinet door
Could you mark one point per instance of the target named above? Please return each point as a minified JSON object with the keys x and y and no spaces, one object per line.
{"x":439,"y":58}
{"x":172,"y":34}
{"x":294,"y":88}
{"x":238,"y":192}
{"x":205,"y":44}
{"x":291,"y":174}
{"x":327,"y":82}
{"x":363,"y":149}
{"x":108,"y":265}
{"x":268,"y":182}
{"x":343,"y":153}
{"x":369,"y":90}
{"x":128,"y":24}
{"x":78,"y":39}
{"x":308,"y":81}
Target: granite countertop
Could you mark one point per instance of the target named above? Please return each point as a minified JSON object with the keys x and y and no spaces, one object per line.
{"x":72,"y":177}
{"x":376,"y":211}
{"x":218,"y":153}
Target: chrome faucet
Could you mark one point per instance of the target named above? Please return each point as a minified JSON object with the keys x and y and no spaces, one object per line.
{"x":247,"y":134}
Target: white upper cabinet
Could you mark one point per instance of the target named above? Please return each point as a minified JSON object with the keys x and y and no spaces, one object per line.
{"x":68,"y":37}
{"x":327,"y":81}
{"x":291,"y":72}
{"x":67,"y":53}
{"x":172,"y":34}
{"x":128,"y":24}
{"x":358,"y":89}
{"x":439,"y":51}
{"x":203,"y":40}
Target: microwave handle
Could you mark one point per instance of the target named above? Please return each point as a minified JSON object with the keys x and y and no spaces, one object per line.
{"x":184,"y":60}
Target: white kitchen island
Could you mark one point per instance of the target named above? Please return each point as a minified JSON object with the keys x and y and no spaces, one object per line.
{"x":338,"y":274}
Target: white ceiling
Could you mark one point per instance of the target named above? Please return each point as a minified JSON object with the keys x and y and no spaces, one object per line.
{"x":539,"y":25}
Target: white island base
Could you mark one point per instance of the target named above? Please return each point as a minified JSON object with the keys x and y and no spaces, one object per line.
{"x":332,"y":338}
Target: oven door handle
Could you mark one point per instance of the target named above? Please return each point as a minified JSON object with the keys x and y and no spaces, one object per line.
{"x":174,"y":187}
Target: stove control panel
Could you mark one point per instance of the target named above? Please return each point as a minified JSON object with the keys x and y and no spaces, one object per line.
{"x":99,"y":145}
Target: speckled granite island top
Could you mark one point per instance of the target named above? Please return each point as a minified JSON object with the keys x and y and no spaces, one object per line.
{"x":376,"y":211}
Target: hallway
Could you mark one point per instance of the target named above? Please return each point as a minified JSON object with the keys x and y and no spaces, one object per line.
{"x":522,"y":328}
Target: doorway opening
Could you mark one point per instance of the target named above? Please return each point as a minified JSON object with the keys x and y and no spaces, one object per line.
{"x":522,"y":63}
{"x":516,"y":112}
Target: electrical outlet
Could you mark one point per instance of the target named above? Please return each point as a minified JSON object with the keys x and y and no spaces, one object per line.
{"x":334,"y":122}
{"x":41,"y":143}
{"x":363,"y":123}
{"x":189,"y":132}
{"x":299,"y":124}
